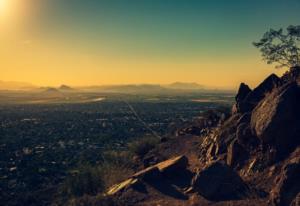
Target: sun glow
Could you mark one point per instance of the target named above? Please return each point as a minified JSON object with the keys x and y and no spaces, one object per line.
{"x":3,"y":4}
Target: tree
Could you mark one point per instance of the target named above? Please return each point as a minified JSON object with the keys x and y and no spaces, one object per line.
{"x":281,"y":48}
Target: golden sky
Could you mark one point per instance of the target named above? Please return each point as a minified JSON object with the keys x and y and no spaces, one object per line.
{"x":55,"y":42}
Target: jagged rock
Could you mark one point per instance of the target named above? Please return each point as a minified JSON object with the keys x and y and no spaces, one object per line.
{"x":276,"y":118}
{"x":287,"y":187}
{"x":253,"y":97}
{"x":243,"y":91}
{"x":219,"y":182}
{"x":235,"y":153}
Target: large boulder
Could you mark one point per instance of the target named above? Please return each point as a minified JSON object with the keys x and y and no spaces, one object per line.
{"x":151,"y":174}
{"x":276,"y":118}
{"x":219,"y":182}
{"x":287,"y":186}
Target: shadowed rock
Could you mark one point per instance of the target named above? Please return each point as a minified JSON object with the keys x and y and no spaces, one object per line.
{"x":288,"y":184}
{"x":243,"y":91}
{"x":247,"y":103}
{"x":235,"y":153}
{"x":276,"y":118}
{"x":219,"y":182}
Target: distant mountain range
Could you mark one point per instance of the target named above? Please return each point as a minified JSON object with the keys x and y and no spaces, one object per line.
{"x":146,"y":88}
{"x":129,"y":88}
{"x":185,"y":86}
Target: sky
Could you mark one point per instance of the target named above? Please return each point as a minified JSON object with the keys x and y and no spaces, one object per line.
{"x":96,"y":42}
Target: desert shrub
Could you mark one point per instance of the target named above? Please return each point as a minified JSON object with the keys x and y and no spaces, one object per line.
{"x":92,"y":180}
{"x":85,"y":180}
{"x":143,"y":146}
{"x":116,"y":167}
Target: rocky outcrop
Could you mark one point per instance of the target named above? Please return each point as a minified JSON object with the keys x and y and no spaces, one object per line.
{"x":243,"y":91}
{"x":235,"y":154}
{"x":219,"y":182}
{"x":245,"y":103}
{"x":287,"y":185}
{"x":258,"y":143}
{"x":276,"y":118}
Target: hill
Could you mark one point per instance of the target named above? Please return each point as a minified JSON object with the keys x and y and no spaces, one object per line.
{"x":66,"y":88}
{"x":185,"y":86}
{"x":250,"y":157}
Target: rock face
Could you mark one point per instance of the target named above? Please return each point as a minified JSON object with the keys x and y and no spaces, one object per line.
{"x":288,"y":184}
{"x":219,"y":182}
{"x":235,"y":153}
{"x":243,"y":91}
{"x":276,"y":118}
{"x":245,"y":103}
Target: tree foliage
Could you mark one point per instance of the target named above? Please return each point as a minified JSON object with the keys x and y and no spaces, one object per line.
{"x":282,"y":48}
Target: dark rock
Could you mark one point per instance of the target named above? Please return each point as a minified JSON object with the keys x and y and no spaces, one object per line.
{"x":173,"y":165}
{"x":288,"y":184}
{"x":243,"y":91}
{"x":235,"y":154}
{"x":252,"y":99}
{"x":245,"y":137}
{"x":219,"y":182}
{"x":245,"y":118}
{"x":226,"y":134}
{"x":148,"y":174}
{"x":271,"y":82}
{"x":276,"y":118}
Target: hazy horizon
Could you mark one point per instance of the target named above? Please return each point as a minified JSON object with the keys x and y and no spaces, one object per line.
{"x":14,"y":85}
{"x":81,"y":43}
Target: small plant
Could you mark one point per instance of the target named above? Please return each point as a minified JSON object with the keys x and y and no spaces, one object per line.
{"x":143,"y":146}
{"x":85,"y":180}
